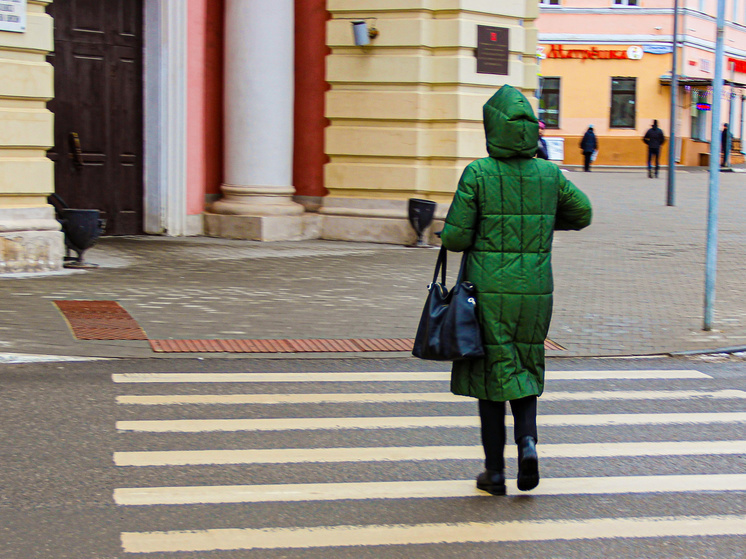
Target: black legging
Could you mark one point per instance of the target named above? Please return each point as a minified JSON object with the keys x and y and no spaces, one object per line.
{"x":653,"y":152}
{"x":587,"y":160}
{"x":492,"y":415}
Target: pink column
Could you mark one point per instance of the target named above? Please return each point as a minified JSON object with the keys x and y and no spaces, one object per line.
{"x":310,"y":86}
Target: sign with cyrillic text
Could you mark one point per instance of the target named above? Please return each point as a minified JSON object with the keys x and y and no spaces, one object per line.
{"x":13,"y":16}
{"x":492,"y":50}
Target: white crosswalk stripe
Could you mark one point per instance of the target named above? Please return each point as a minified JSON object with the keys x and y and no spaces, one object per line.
{"x":517,"y":531}
{"x":292,"y":417}
{"x":417,"y":453}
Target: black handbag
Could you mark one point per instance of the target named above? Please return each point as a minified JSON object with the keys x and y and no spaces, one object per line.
{"x":449,"y":329}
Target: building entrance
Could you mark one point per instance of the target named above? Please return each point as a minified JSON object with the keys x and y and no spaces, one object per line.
{"x":98,"y":109}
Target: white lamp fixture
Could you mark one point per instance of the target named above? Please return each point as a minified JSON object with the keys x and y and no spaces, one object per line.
{"x":361,"y":33}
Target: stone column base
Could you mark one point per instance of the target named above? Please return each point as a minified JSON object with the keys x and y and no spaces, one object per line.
{"x":263,"y":227}
{"x":374,"y":221}
{"x":31,"y":252}
{"x":30,"y":241}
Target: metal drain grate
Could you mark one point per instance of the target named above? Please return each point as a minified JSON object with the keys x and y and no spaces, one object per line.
{"x":291,"y":346}
{"x":100,"y":320}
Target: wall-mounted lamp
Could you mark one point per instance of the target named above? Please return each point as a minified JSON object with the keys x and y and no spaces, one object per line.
{"x":361,"y":33}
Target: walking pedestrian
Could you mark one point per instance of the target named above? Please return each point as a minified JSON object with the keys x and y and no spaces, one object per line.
{"x":504,"y":212}
{"x":725,"y":138}
{"x":654,"y":139}
{"x":588,"y":145}
{"x":542,"y":151}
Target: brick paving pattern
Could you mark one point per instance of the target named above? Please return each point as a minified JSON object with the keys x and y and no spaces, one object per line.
{"x":631,"y":284}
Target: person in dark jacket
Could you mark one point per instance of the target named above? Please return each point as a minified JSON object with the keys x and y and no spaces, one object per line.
{"x":588,"y":145}
{"x":654,"y":139}
{"x":504,"y":212}
{"x":725,"y":138}
{"x":542,"y":151}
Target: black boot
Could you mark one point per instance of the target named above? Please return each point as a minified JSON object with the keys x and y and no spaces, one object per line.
{"x":528,"y":464}
{"x":492,"y":482}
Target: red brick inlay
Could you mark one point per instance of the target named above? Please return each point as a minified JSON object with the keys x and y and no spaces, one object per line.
{"x":100,"y":320}
{"x":291,"y":346}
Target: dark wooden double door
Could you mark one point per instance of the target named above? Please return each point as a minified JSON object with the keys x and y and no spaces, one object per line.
{"x":98,"y":109}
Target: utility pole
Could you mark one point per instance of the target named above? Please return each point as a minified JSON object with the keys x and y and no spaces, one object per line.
{"x":671,"y":190}
{"x":712,"y":208}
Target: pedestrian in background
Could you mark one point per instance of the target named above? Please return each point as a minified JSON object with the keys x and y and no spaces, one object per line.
{"x":654,"y":139}
{"x":542,"y":151}
{"x":725,"y":138}
{"x":504,"y":212}
{"x":588,"y":145}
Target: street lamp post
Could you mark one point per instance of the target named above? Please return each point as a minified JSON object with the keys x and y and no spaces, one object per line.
{"x":671,"y":182}
{"x":712,"y":207}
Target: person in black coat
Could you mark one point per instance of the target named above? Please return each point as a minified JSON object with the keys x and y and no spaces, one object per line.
{"x":654,"y":139}
{"x":724,"y":143}
{"x":542,"y":151}
{"x":588,"y":145}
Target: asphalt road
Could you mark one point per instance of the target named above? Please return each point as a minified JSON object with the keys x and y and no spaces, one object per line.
{"x":95,"y":462}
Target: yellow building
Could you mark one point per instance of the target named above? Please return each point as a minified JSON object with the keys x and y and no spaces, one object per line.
{"x":608,"y":63}
{"x":30,"y":237}
{"x":405,"y":110}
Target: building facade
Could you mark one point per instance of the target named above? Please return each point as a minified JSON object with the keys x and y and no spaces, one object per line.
{"x":608,"y":63}
{"x":252,"y":119}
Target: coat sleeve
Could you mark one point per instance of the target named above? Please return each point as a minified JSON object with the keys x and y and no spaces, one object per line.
{"x":461,"y":221}
{"x":573,"y":207}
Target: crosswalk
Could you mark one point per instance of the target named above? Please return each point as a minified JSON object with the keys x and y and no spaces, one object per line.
{"x":380,"y":441}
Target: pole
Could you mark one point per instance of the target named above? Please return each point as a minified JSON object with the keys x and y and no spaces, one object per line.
{"x":712,"y":209}
{"x":743,"y":108}
{"x":743,"y":121}
{"x":671,"y":189}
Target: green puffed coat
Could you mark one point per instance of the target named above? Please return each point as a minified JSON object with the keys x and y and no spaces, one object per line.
{"x":505,"y":211}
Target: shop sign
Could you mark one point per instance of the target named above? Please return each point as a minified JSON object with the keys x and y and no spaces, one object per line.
{"x":593,"y":53}
{"x":704,"y":107}
{"x":657,"y":48}
{"x":13,"y":15}
{"x":740,"y":65}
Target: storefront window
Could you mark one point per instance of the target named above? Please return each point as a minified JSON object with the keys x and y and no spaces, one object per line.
{"x":623,"y":102}
{"x":549,"y":101}
{"x":699,"y":115}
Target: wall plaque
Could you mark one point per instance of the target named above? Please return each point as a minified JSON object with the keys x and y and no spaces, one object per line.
{"x":13,"y":15}
{"x":492,"y":50}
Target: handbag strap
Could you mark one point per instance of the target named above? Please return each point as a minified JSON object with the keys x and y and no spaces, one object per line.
{"x":442,"y":261}
{"x":462,"y":267}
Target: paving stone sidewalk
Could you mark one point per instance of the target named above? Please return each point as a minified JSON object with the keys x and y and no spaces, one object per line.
{"x":631,"y":284}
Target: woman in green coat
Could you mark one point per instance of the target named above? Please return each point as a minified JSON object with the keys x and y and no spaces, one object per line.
{"x":504,"y":212}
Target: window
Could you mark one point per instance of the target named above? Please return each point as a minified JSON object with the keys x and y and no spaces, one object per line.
{"x":549,"y":2}
{"x":549,"y":90}
{"x":625,"y":2}
{"x":623,"y":102}
{"x":699,"y":114}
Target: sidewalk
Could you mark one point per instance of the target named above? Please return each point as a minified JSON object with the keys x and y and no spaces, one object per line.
{"x":631,"y":284}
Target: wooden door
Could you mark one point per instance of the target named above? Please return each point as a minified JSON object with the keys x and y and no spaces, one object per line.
{"x":98,"y":97}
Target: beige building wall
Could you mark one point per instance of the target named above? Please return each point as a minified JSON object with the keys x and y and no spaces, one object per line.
{"x":405,"y":111}
{"x":30,"y":237}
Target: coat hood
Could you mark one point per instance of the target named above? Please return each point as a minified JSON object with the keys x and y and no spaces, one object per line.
{"x":510,"y":126}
